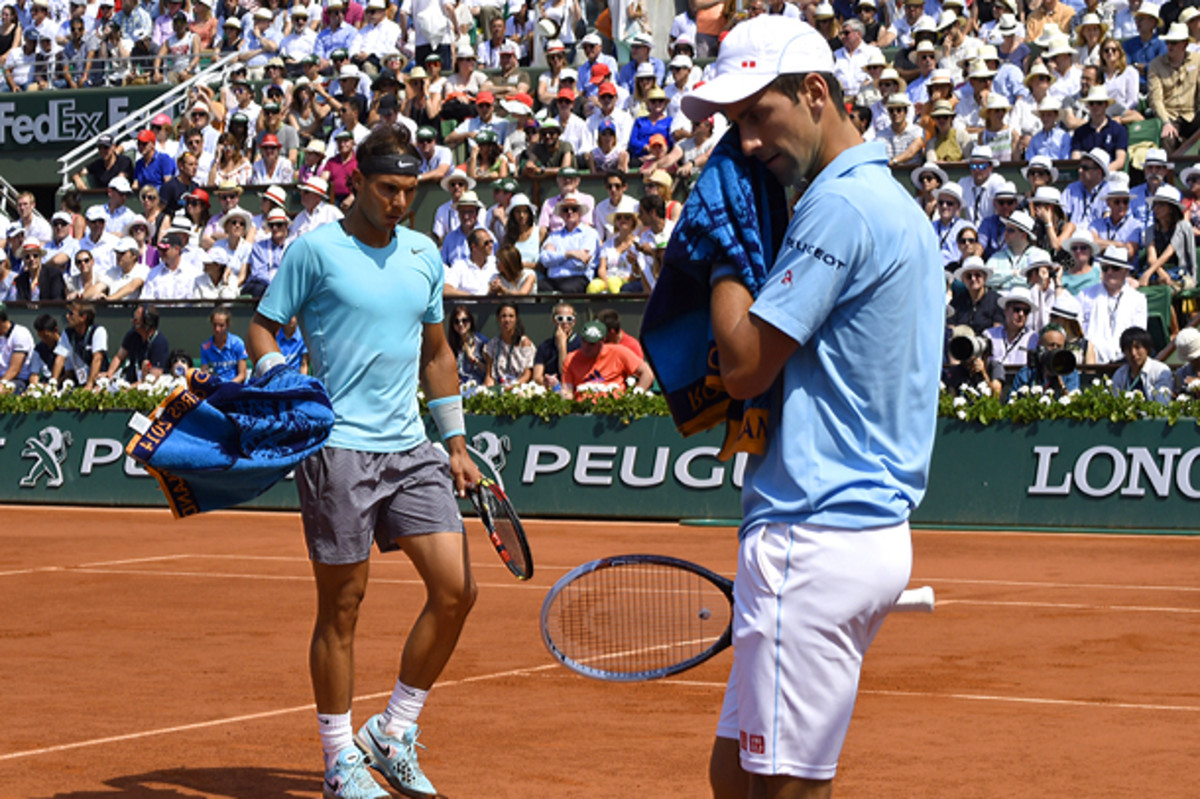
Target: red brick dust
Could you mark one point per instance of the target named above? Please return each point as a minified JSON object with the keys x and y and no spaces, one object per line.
{"x":147,"y":657}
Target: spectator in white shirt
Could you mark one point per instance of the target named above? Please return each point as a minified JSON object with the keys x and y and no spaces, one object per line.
{"x":472,"y":276}
{"x":1111,"y":306}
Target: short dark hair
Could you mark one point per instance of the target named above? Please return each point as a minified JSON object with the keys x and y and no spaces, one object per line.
{"x":611,"y":320}
{"x":384,"y":140}
{"x":792,"y":84}
{"x":653,"y":204}
{"x":149,"y":316}
{"x":45,"y":324}
{"x":84,"y":309}
{"x":1136,"y":335}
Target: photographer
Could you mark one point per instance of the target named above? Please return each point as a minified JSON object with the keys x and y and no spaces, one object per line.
{"x":1051,"y":366}
{"x":968,"y":361}
{"x":978,"y":306}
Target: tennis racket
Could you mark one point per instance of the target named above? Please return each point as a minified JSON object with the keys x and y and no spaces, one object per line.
{"x":632,"y":618}
{"x":503,"y":527}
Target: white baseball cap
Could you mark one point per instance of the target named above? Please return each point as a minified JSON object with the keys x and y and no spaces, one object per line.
{"x":754,"y":54}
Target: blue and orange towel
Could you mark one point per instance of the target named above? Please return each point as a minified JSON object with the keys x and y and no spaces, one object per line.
{"x":216,"y":444}
{"x":735,"y":217}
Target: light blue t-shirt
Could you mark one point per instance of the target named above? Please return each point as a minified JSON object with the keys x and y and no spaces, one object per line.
{"x":858,"y":283}
{"x":362,"y":310}
{"x":223,"y":361}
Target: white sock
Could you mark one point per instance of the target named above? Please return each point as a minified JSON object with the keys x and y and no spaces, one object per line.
{"x":336,"y":735}
{"x":403,"y":709}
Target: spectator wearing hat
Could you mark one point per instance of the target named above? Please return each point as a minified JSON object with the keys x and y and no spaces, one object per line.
{"x":204,"y":23}
{"x":509,"y":78}
{"x":591,"y":76}
{"x":979,"y":305}
{"x":1099,"y":130}
{"x":1014,"y":340}
{"x":313,"y":158}
{"x":117,"y":212}
{"x":948,"y":221}
{"x":1082,"y":271}
{"x":597,"y":361}
{"x":911,"y":15}
{"x":546,"y":156}
{"x":519,"y":28}
{"x":991,"y":229}
{"x":174,"y":278}
{"x":639,"y":53}
{"x":1187,"y":347}
{"x":16,"y":354}
{"x":216,"y":282}
{"x":228,"y":197}
{"x":462,"y":84}
{"x":338,"y":34}
{"x":61,"y":248}
{"x":270,"y":168}
{"x":1083,"y":200}
{"x":884,"y":84}
{"x":606,"y":157}
{"x":683,"y":74}
{"x":1043,"y":279}
{"x":271,"y":123}
{"x":851,"y":57}
{"x":108,"y":163}
{"x":178,"y":57}
{"x":485,"y":119}
{"x":948,"y":142}
{"x":349,"y":114}
{"x":436,"y":160}
{"x":1170,"y":243}
{"x":445,"y":218}
{"x":96,"y":240}
{"x":298,"y":44}
{"x":1141,"y":50}
{"x":904,"y":139}
{"x":267,"y":252}
{"x":1140,"y":372}
{"x":152,"y":166}
{"x":1007,"y":33}
{"x":1118,"y":227}
{"x":608,"y":110}
{"x":496,"y":217}
{"x":974,"y":370}
{"x":927,"y":179}
{"x":242,"y":110}
{"x":349,"y":82}
{"x":1067,"y":314}
{"x":1065,"y":74}
{"x":1051,"y":227}
{"x":38,"y":282}
{"x":980,"y":186}
{"x":231,"y":37}
{"x":1053,"y":141}
{"x":998,"y":133}
{"x":1051,"y":337}
{"x":1172,"y":82}
{"x":1156,"y":170}
{"x":237,"y":230}
{"x":1009,"y":262}
{"x":1111,"y":306}
{"x":549,"y":219}
{"x":654,"y":122}
{"x":875,"y":32}
{"x":925,"y":55}
{"x":455,"y":245}
{"x":314,"y":196}
{"x":570,"y":254}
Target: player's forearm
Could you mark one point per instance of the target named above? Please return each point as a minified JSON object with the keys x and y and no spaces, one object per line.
{"x":260,"y":337}
{"x":751,"y":352}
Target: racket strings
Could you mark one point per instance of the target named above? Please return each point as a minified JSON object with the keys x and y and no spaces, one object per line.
{"x":636,"y":618}
{"x":507,"y":530}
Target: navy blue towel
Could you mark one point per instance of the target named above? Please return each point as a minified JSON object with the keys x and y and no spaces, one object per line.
{"x":217,"y":444}
{"x":736,"y":215}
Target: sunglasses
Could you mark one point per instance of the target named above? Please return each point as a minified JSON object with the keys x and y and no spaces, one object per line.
{"x":238,"y":222}
{"x":1119,"y":200}
{"x":968,"y":240}
{"x":1021,"y":309}
{"x":1038,"y":173}
{"x":614,"y":186}
{"x":277,"y":224}
{"x":974,"y":276}
{"x":562,"y":318}
{"x":462,"y":320}
{"x":980,"y":167}
{"x":30,"y":258}
{"x":947,"y":204}
{"x":59,"y":223}
{"x":1080,"y":248}
{"x":83,"y":260}
{"x":1111,"y":268}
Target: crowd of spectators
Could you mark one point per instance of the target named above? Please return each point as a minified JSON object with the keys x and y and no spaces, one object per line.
{"x":985,"y":83}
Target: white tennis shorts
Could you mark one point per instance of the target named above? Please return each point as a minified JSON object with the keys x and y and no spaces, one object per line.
{"x":808,"y":601}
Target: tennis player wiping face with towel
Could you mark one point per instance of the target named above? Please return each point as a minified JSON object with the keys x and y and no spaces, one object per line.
{"x":825,"y":547}
{"x":368,"y":295}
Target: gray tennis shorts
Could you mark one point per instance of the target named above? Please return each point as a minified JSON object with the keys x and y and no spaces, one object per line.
{"x":349,"y":498}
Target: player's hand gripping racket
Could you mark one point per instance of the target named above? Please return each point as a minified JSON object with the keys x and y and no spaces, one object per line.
{"x":503,"y":527}
{"x":641,"y":617}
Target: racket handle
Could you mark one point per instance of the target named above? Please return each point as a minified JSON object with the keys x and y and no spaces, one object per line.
{"x":915,"y":600}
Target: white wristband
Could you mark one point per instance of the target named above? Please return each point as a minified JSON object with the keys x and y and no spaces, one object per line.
{"x":447,"y":413}
{"x":268,"y":362}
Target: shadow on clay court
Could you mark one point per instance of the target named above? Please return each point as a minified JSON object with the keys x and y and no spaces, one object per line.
{"x":221,"y":783}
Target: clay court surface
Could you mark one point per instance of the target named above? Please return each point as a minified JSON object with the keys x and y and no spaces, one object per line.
{"x":143,"y":657}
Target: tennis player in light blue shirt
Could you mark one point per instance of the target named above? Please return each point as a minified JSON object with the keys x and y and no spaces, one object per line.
{"x":842,"y":343}
{"x":338,"y":288}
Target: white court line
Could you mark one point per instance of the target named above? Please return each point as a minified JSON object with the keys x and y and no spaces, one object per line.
{"x":1065,"y":606}
{"x":35,"y":570}
{"x":1036,"y":584}
{"x":1022,"y":700}
{"x":127,"y":561}
{"x":266,"y":714}
{"x":307,"y":578}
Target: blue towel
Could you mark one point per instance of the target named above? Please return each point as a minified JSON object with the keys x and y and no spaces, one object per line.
{"x":214,"y":444}
{"x":736,"y":214}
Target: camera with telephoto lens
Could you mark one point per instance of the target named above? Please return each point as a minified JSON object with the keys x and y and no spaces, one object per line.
{"x":1055,"y":363}
{"x":964,"y":348}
